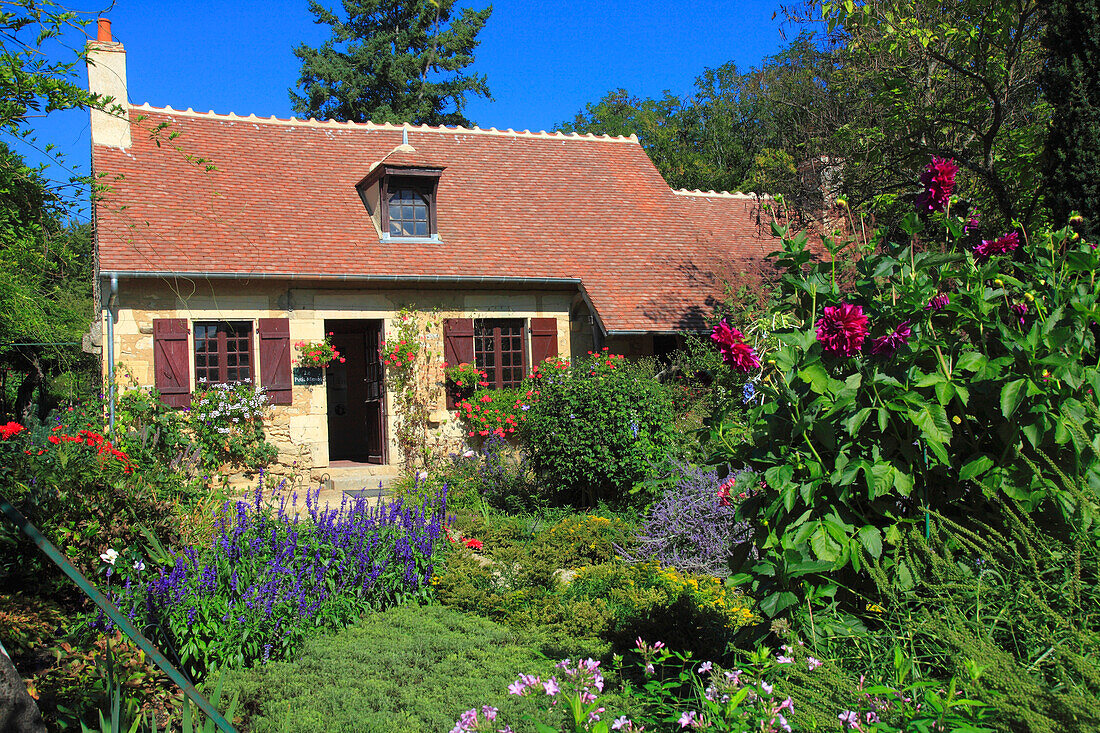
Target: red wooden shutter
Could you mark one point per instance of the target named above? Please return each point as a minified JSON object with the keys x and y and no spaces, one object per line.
{"x":458,"y":347}
{"x":544,"y":339}
{"x":171,"y":362}
{"x":275,"y":360}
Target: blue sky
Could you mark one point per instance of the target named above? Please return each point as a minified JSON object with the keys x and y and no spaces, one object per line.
{"x":544,"y":60}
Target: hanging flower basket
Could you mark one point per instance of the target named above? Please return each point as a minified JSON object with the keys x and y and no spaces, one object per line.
{"x":317,"y":353}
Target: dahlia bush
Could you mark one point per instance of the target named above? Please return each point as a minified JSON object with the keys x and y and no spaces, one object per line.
{"x":953,"y":370}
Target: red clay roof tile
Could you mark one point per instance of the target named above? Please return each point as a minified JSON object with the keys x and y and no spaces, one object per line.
{"x":282,"y":201}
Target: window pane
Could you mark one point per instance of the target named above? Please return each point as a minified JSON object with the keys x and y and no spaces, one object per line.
{"x":422,"y":228}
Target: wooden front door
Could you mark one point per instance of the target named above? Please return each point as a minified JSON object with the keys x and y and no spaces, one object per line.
{"x":356,"y":392}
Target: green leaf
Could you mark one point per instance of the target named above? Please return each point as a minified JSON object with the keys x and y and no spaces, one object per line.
{"x":971,"y":361}
{"x":776,"y":603}
{"x":855,"y":422}
{"x":975,"y":467}
{"x":1011,"y":394}
{"x":816,"y":376}
{"x":871,"y":539}
{"x":944,"y":392}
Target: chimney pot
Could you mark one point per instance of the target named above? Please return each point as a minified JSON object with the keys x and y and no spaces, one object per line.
{"x":103,"y":30}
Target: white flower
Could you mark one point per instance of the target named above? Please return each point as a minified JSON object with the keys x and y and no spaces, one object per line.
{"x":110,"y":556}
{"x":139,"y":565}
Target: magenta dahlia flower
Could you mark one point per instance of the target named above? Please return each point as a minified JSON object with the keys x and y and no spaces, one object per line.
{"x":1003,"y":245}
{"x":842,"y":329}
{"x":938,"y":180}
{"x":938,"y":302}
{"x":731,"y":344}
{"x":889,"y":344}
{"x":1020,"y":311}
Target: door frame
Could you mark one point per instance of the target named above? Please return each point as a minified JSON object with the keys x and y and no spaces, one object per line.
{"x":362,"y":325}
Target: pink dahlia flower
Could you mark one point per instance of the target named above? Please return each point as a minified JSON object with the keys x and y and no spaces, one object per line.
{"x":938,"y":180}
{"x":732,"y":346}
{"x":1003,"y":245}
{"x":842,"y":329}
{"x":938,"y":302}
{"x":889,"y":344}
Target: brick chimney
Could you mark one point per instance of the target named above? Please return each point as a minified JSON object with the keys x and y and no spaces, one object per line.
{"x":107,"y":77}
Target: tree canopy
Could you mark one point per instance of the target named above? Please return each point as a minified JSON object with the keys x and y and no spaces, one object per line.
{"x":857,"y":104}
{"x":392,"y":61}
{"x":1071,"y":83}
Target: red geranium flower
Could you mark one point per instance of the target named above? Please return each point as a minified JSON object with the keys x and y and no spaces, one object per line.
{"x":842,"y":329}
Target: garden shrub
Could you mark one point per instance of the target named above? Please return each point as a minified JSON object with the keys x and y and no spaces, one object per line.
{"x":693,"y":527}
{"x":697,"y":613}
{"x":495,"y":474}
{"x":566,"y":582}
{"x":81,"y":492}
{"x":406,"y":670}
{"x":270,"y":578}
{"x":597,"y":428}
{"x":936,"y":379}
{"x":227,"y":421}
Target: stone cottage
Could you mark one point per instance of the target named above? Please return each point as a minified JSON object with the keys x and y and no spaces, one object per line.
{"x":223,"y":240}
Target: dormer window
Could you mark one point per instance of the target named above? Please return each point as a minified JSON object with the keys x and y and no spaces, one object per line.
{"x":400,"y":198}
{"x":409,"y":208}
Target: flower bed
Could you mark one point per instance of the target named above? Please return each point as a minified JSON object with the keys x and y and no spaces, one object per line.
{"x":268,"y":580}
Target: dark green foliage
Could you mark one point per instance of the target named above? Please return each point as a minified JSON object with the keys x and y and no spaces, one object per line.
{"x":406,"y":670}
{"x":83,"y":500}
{"x":598,"y":427}
{"x":1017,"y":598}
{"x":392,"y":61}
{"x":1071,"y":84}
{"x":45,"y":296}
{"x":854,"y":447}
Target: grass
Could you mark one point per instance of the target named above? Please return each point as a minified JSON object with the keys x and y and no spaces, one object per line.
{"x":409,"y":669}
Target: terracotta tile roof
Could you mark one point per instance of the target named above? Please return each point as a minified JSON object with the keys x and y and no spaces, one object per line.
{"x":282,"y":201}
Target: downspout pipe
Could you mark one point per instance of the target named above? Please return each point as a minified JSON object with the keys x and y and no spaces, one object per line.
{"x":112,"y":301}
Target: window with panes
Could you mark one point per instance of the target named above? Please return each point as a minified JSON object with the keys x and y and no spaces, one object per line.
{"x":409,"y":210}
{"x":223,"y":351}
{"x":499,"y":350}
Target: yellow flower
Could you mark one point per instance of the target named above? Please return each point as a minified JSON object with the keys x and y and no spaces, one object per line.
{"x":1029,"y":297}
{"x":999,"y":282}
{"x":957,"y":420}
{"x":875,"y":608}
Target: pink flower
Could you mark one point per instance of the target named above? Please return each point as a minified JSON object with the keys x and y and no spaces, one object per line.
{"x":842,"y":329}
{"x":938,"y":302}
{"x":1020,"y":310}
{"x":551,"y":686}
{"x":813,"y":664}
{"x":724,"y":491}
{"x":1003,"y":245}
{"x":734,"y":350}
{"x":689,"y":719}
{"x":889,"y":344}
{"x":938,"y":180}
{"x":850,"y":718}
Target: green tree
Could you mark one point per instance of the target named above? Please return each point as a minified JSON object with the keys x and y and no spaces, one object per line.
{"x":392,"y":61}
{"x":45,"y":293}
{"x":1071,"y":83}
{"x":957,"y":80}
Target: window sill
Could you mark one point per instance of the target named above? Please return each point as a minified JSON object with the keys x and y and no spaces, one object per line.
{"x":387,"y":239}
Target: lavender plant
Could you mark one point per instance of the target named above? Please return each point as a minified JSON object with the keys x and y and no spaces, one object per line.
{"x":271,"y":577}
{"x":692,"y":526}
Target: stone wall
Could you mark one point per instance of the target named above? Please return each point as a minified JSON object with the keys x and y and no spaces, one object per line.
{"x":300,"y":430}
